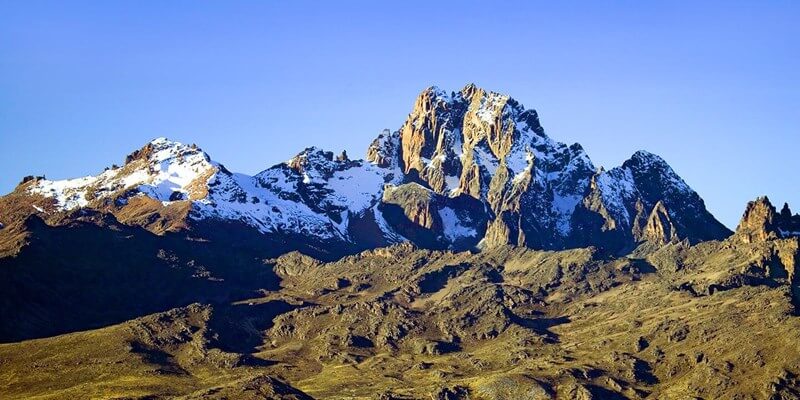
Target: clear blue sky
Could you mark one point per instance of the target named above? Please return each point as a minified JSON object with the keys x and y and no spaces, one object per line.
{"x":714,"y":88}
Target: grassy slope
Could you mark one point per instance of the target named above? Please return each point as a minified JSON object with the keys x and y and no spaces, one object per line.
{"x":505,"y":324}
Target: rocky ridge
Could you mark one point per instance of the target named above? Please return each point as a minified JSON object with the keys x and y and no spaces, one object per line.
{"x":468,"y":169}
{"x":761,"y":221}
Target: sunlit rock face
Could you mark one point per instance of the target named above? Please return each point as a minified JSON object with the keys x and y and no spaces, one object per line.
{"x":762,"y":222}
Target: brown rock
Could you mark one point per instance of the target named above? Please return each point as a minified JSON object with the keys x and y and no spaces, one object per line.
{"x":416,"y":202}
{"x":758,"y":222}
{"x":659,"y":228}
{"x":384,"y":150}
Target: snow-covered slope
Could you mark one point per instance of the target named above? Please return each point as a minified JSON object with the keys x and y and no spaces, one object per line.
{"x":312,"y":194}
{"x":465,"y":168}
{"x":163,"y":170}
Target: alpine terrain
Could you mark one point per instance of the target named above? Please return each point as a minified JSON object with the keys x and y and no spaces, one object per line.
{"x":468,"y":256}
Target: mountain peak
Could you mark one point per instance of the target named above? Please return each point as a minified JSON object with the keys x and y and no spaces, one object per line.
{"x":433,"y":93}
{"x":644,"y":155}
{"x":470,"y":90}
{"x":482,"y":165}
{"x":160,"y":140}
{"x":762,"y":222}
{"x":651,"y":168}
{"x":469,"y":87}
{"x":165,"y":170}
{"x":162,"y":149}
{"x":758,"y":221}
{"x":644,"y":158}
{"x":315,"y":158}
{"x":786,"y":212}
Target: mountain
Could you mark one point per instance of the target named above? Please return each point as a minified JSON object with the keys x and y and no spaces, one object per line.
{"x":140,"y":315}
{"x":469,"y":169}
{"x":469,"y":256}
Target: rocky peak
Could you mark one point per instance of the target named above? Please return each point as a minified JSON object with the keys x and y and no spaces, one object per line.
{"x":455,"y":143}
{"x":659,"y":228}
{"x":470,"y":90}
{"x":758,"y":222}
{"x":655,"y":176}
{"x":384,"y":151}
{"x":488,"y":146}
{"x":761,"y":222}
{"x":467,"y":167}
{"x":169,"y":170}
{"x":316,"y":165}
{"x":427,"y":138}
{"x":161,"y":150}
{"x":786,"y":212}
{"x":311,"y":158}
{"x":162,"y":169}
{"x":644,"y":199}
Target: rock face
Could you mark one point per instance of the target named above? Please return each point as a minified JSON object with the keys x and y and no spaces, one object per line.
{"x":488,"y":146}
{"x":761,"y":222}
{"x":430,"y":219}
{"x":467,"y":169}
{"x":644,"y":199}
{"x":659,"y":227}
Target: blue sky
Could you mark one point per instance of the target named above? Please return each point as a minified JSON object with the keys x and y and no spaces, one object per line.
{"x":713,"y":87}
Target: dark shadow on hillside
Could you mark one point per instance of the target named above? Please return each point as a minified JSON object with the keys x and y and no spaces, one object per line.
{"x":84,"y":276}
{"x":600,"y":392}
{"x":641,"y":266}
{"x":435,"y":281}
{"x":153,"y":356}
{"x":240,"y":328}
{"x":541,"y":325}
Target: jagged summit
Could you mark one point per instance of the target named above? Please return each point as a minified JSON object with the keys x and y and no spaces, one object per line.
{"x":466,"y":169}
{"x":644,"y":155}
{"x":455,"y":142}
{"x":762,"y":222}
{"x":786,"y":211}
{"x":645,"y":199}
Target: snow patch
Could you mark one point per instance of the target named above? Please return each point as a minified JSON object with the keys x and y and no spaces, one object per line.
{"x":388,"y":233}
{"x":616,"y":187}
{"x":564,"y":207}
{"x":454,"y":228}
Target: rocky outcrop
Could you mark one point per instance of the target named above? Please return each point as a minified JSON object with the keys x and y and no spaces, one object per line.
{"x":659,"y":227}
{"x":758,"y":222}
{"x":761,"y":222}
{"x":788,"y":224}
{"x":431,"y":220}
{"x":772,"y":241}
{"x":416,"y":202}
{"x":384,"y":151}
